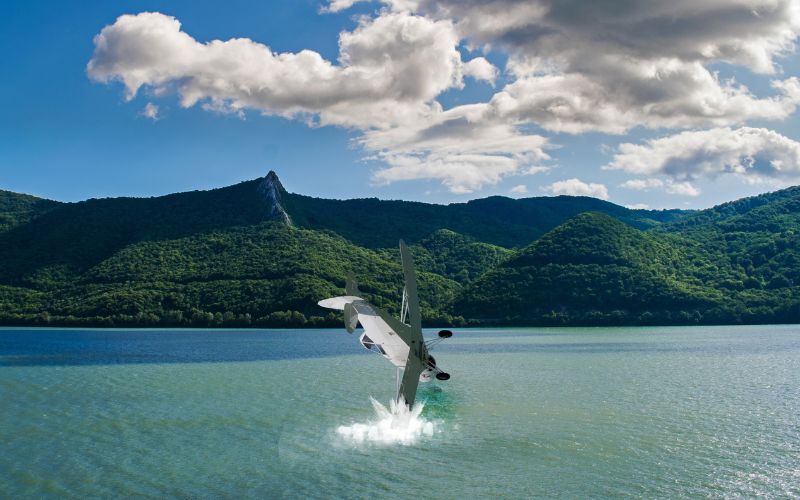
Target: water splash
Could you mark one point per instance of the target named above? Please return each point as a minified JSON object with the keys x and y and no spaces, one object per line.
{"x":394,"y":425}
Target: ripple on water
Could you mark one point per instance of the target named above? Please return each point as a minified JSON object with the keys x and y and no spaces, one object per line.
{"x":653,"y":413}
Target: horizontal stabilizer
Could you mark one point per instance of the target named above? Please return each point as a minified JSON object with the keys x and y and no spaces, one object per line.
{"x":338,"y":303}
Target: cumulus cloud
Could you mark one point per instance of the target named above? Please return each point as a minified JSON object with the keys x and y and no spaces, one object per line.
{"x":519,"y":189}
{"x":390,"y":69}
{"x":642,"y":184}
{"x":610,"y":66}
{"x":389,"y":72}
{"x":754,"y":154}
{"x":576,"y":187}
{"x":481,"y":69}
{"x":683,"y":188}
{"x":458,"y":147}
{"x":572,"y":67}
{"x":673,"y":96}
{"x":339,"y":5}
{"x":638,"y":206}
{"x":460,"y":173}
{"x":150,"y":111}
{"x":747,"y":32}
{"x":670,"y":186}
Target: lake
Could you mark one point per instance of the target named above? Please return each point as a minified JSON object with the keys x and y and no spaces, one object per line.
{"x":593,"y":412}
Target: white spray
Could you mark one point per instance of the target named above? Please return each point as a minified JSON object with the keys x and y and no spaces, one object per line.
{"x":394,"y":425}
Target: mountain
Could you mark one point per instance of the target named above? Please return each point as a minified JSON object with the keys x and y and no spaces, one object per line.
{"x":593,"y":269}
{"x":254,"y":254}
{"x":497,"y":220}
{"x":72,"y":237}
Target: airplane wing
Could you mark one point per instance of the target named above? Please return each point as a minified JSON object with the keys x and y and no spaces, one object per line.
{"x":380,"y":328}
{"x":408,"y":387}
{"x":399,"y":342}
{"x":417,"y":354}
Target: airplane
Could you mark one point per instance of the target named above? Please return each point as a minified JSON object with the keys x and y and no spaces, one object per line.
{"x":399,"y":342}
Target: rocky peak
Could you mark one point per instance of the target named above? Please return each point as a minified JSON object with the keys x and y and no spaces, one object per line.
{"x":271,"y":189}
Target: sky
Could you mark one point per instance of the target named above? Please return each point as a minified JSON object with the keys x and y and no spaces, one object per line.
{"x":648,"y":104}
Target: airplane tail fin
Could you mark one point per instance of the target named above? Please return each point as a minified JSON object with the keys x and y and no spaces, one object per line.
{"x":350,"y":313}
{"x":351,"y":286}
{"x":417,"y":353}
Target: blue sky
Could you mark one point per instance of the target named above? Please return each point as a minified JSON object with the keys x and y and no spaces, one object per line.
{"x":69,"y":134}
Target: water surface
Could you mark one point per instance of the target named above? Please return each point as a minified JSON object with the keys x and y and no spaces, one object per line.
{"x":653,"y":412}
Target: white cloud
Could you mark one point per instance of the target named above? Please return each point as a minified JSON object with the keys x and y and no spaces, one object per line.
{"x":571,"y":67}
{"x":151,"y":111}
{"x":610,"y":66}
{"x":638,"y":206}
{"x":481,"y":69}
{"x":746,"y":32}
{"x":642,"y":184}
{"x":519,"y":189}
{"x":576,"y":187}
{"x":458,"y":147}
{"x":753,"y":154}
{"x":673,"y":95}
{"x":649,"y":64}
{"x":683,"y":188}
{"x":463,"y":154}
{"x":460,"y":173}
{"x":390,"y":69}
{"x":339,"y":5}
{"x":670,"y":186}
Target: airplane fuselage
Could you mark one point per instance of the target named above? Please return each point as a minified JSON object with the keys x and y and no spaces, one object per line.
{"x":378,"y":336}
{"x":395,"y":339}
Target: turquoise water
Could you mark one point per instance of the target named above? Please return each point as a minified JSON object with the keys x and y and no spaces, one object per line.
{"x":646,"y":412}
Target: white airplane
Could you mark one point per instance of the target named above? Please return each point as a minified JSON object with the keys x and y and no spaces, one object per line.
{"x":401,"y":343}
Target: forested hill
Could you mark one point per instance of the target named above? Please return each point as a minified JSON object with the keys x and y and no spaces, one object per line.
{"x":506,"y":222}
{"x":254,"y":254}
{"x":16,"y":209}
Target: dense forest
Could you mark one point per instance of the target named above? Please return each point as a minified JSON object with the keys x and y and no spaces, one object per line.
{"x":254,"y":255}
